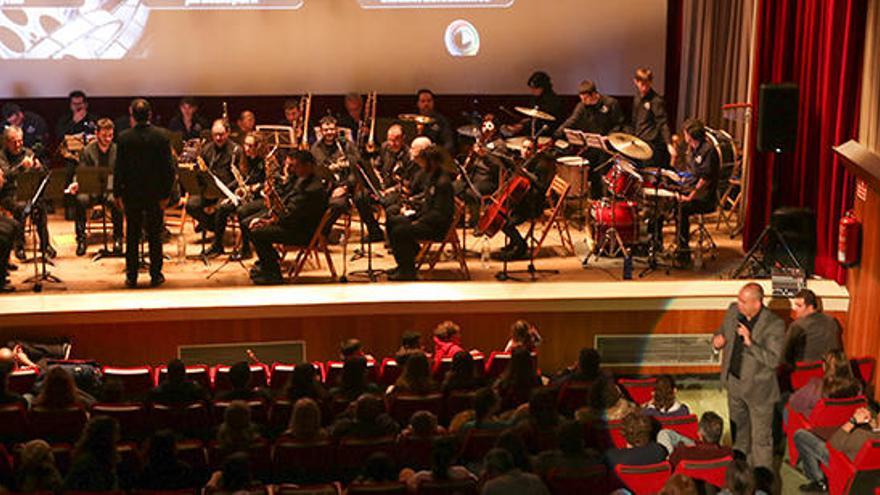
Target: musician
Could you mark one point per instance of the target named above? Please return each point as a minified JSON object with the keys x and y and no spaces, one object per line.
{"x":252,"y":170}
{"x":8,"y":231}
{"x":78,"y":119}
{"x":188,"y":122}
{"x":303,"y":209}
{"x":433,"y":218}
{"x":539,"y":168}
{"x":99,"y":153}
{"x":487,"y":160}
{"x":335,"y":157}
{"x":292,"y":117}
{"x":142,"y":183}
{"x":649,"y":119}
{"x":544,"y":98}
{"x":703,"y":160}
{"x":219,"y":156}
{"x":246,"y":123}
{"x":15,"y":159}
{"x":258,"y":206}
{"x":439,"y":131}
{"x":596,"y":114}
{"x":394,"y":162}
{"x":410,"y":185}
{"x":36,"y":131}
{"x":353,"y":117}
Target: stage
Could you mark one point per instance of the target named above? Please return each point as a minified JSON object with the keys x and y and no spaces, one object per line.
{"x":129,"y":327}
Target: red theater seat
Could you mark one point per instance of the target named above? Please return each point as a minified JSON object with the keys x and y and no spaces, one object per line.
{"x":644,"y":480}
{"x":136,"y":381}
{"x":713,"y":471}
{"x":190,"y":420}
{"x":415,"y":452}
{"x":685,"y":425}
{"x":458,"y":401}
{"x":449,"y":487}
{"x":804,"y":371}
{"x":850,"y":477}
{"x":279,"y":376}
{"x":402,"y":407}
{"x":259,"y":377}
{"x":14,"y":425}
{"x":826,"y":412}
{"x":352,"y":452}
{"x":477,"y":443}
{"x":389,"y":372}
{"x":496,"y":364}
{"x":22,"y":380}
{"x":297,"y":461}
{"x":640,"y":390}
{"x":132,"y":418}
{"x":58,"y":425}
{"x":193,"y":452}
{"x":258,"y":408}
{"x":199,"y":373}
{"x":572,"y":396}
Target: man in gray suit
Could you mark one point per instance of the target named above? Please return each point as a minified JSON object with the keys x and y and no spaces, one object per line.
{"x":750,"y":339}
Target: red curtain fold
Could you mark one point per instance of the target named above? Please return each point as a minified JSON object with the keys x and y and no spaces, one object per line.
{"x":817,"y":44}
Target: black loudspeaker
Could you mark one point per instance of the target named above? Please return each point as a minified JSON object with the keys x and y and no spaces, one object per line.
{"x":777,"y":117}
{"x":798,"y":227}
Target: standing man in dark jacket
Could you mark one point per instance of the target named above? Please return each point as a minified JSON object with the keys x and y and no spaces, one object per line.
{"x":142,"y":181}
{"x":649,"y":120}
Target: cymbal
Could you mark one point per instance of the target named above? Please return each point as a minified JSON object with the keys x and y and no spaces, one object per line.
{"x":573,"y":161}
{"x":470,"y":130}
{"x":535,"y":113}
{"x":516,"y":143}
{"x":630,"y":146}
{"x":414,"y":117}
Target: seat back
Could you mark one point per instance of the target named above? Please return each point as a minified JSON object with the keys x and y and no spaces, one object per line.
{"x":415,"y":452}
{"x":572,"y":396}
{"x":294,"y":461}
{"x":323,"y":489}
{"x":565,"y":481}
{"x":458,"y":401}
{"x":863,"y":368}
{"x":640,"y":390}
{"x":684,"y":425}
{"x":14,"y":425}
{"x":389,"y":371}
{"x":279,"y":376}
{"x":279,"y":415}
{"x":58,"y":425}
{"x":259,"y":377}
{"x":497,"y":364}
{"x":644,"y":480}
{"x":712,"y":471}
{"x":835,"y":412}
{"x":193,"y":453}
{"x":386,"y":488}
{"x":199,"y":373}
{"x":449,"y":487}
{"x":477,"y":443}
{"x":352,"y":452}
{"x":403,"y":406}
{"x":132,"y":418}
{"x":136,"y":380}
{"x":190,"y":420}
{"x":333,"y":373}
{"x":259,"y":411}
{"x":868,"y":457}
{"x":22,"y":380}
{"x":804,"y":371}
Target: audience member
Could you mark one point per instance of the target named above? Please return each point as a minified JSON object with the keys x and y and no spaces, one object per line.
{"x":305,"y":422}
{"x":370,"y":420}
{"x":235,"y":475}
{"x":6,"y":395}
{"x":512,"y":442}
{"x":606,"y":402}
{"x":37,"y":471}
{"x":378,"y":468}
{"x":163,"y":469}
{"x":237,"y":433}
{"x":486,"y":406}
{"x":664,"y":404}
{"x":354,"y":381}
{"x":740,"y":479}
{"x":585,"y":370}
{"x":523,"y":334}
{"x":423,"y":425}
{"x":352,"y":348}
{"x":516,"y":383}
{"x":837,"y":382}
{"x":93,"y":467}
{"x":640,"y":449}
{"x":240,"y":379}
{"x":505,"y":479}
{"x":462,"y":374}
{"x":112,"y":391}
{"x":447,"y":341}
{"x":59,"y":391}
{"x":571,"y":455}
{"x":708,"y":445}
{"x":443,"y":455}
{"x":416,"y":377}
{"x":177,"y":389}
{"x":541,"y":421}
{"x":812,"y":333}
{"x":305,"y":382}
{"x":679,"y":484}
{"x":410,"y":343}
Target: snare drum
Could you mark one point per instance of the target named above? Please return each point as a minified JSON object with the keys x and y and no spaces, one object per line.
{"x":575,"y":170}
{"x":622,"y":215}
{"x":623,"y":180}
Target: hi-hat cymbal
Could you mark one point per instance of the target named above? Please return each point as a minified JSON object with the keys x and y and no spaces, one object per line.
{"x":517,"y":143}
{"x":414,"y":117}
{"x":630,"y":146}
{"x":470,"y":130}
{"x":535,"y":113}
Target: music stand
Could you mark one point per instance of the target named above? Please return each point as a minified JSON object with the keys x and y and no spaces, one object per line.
{"x":367,"y":179}
{"x":93,"y":182}
{"x":198,"y":183}
{"x":281,"y":136}
{"x":41,"y":273}
{"x":235,"y":255}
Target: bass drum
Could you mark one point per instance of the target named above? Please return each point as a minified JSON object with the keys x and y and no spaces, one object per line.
{"x":622,"y":215}
{"x":727,"y":150}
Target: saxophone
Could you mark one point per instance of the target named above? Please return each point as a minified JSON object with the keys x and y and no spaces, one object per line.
{"x":242,"y":191}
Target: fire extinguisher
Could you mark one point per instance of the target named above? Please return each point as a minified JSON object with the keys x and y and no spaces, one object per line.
{"x":849,"y":240}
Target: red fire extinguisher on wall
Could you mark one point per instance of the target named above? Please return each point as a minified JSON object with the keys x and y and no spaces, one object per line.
{"x":849,"y":240}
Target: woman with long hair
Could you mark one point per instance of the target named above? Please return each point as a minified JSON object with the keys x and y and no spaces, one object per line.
{"x":304,"y":383}
{"x":305,"y":422}
{"x":93,"y":468}
{"x":237,"y":433}
{"x":354,"y":381}
{"x":837,"y":382}
{"x":416,"y":377}
{"x":462,"y":374}
{"x":515,"y":385}
{"x":664,"y":404}
{"x":59,"y":390}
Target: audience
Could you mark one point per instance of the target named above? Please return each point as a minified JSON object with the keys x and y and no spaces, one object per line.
{"x":462,"y":375}
{"x":93,"y":467}
{"x":443,"y":454}
{"x":447,"y":341}
{"x":235,"y":475}
{"x":7,"y":396}
{"x":379,"y":468}
{"x":523,"y":334}
{"x":352,"y":348}
{"x":640,"y":450}
{"x":305,"y":422}
{"x":237,"y":433}
{"x":354,"y":381}
{"x":837,"y":382}
{"x":505,"y":479}
{"x":585,"y":370}
{"x":515,"y":385}
{"x":513,"y":443}
{"x":113,"y":391}
{"x":740,"y":479}
{"x":541,"y":421}
{"x":240,"y":379}
{"x":59,"y":391}
{"x":571,"y":455}
{"x":305,"y":383}
{"x":163,"y":469}
{"x":370,"y":420}
{"x":410,"y":343}
{"x":708,"y":446}
{"x":423,"y":425}
{"x":416,"y":378}
{"x":177,"y":389}
{"x":679,"y":484}
{"x":37,"y":471}
{"x":486,"y":406}
{"x":664,"y":404}
{"x":605,"y":403}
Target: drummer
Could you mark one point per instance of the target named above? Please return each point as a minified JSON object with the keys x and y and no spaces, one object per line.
{"x":544,"y":98}
{"x":597,"y":114}
{"x":703,"y":160}
{"x":649,"y":121}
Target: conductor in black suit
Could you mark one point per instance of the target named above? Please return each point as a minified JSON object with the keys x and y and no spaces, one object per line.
{"x":142,"y":182}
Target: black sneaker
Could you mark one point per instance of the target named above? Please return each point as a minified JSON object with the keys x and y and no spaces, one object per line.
{"x":50,"y":252}
{"x":131,"y":283}
{"x":157,"y":280}
{"x":376,"y":237}
{"x":214,"y":251}
{"x":80,"y":248}
{"x":814,"y":487}
{"x":262,"y":278}
{"x":519,"y":253}
{"x":401,"y":276}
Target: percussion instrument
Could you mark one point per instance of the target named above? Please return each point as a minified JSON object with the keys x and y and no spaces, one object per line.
{"x":517,"y":143}
{"x":623,"y":216}
{"x":630,"y":146}
{"x":724,"y":145}
{"x":622,"y":179}
{"x":535,"y":113}
{"x":651,"y":193}
{"x":414,"y":117}
{"x":574,"y":170}
{"x":470,"y":130}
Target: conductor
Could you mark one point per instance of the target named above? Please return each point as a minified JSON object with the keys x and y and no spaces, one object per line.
{"x":142,"y":182}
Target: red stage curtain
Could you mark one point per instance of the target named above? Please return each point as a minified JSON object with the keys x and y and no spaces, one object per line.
{"x":817,"y":44}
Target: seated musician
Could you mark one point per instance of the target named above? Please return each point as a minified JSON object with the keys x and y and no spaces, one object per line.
{"x":539,"y":168}
{"x":15,"y":159}
{"x":258,"y":207}
{"x":336,"y":157}
{"x":353,"y":117}
{"x":292,"y":222}
{"x":218,"y":156}
{"x":596,"y":114}
{"x":9,"y":229}
{"x":486,"y":162}
{"x":245,"y":124}
{"x":188,"y":121}
{"x":252,"y":171}
{"x":293,"y":117}
{"x":99,"y":153}
{"x":36,"y":131}
{"x":409,"y":185}
{"x":439,"y":131}
{"x":433,"y":218}
{"x":544,"y":98}
{"x":703,"y":160}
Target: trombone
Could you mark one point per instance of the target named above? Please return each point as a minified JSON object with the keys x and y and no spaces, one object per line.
{"x":305,"y":110}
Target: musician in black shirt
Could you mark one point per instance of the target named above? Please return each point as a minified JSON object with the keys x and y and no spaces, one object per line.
{"x":302,"y":212}
{"x":545,"y":99}
{"x":387,"y":172}
{"x":433,"y":219}
{"x":704,"y":196}
{"x":16,"y":159}
{"x":78,"y":119}
{"x":353,"y":117}
{"x":188,"y":122}
{"x":439,"y":131}
{"x":335,"y":157}
{"x":34,"y":127}
{"x":484,"y":164}
{"x":649,"y":120}
{"x":246,"y":123}
{"x":539,"y":169}
{"x":99,"y":153}
{"x":218,"y":156}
